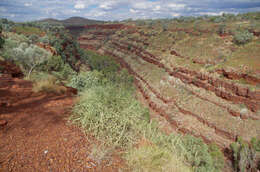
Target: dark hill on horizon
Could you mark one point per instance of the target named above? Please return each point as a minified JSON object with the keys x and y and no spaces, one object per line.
{"x":73,"y":21}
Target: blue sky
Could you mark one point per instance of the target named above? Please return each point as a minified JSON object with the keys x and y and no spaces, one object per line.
{"x":27,"y":10}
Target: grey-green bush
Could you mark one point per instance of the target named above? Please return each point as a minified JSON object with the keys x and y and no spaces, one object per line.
{"x":242,"y":37}
{"x":86,"y":80}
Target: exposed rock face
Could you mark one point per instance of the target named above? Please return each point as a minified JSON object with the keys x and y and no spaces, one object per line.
{"x":235,"y":75}
{"x":96,"y":35}
{"x":48,"y":48}
{"x":221,"y":93}
{"x":3,"y":123}
{"x":10,"y":68}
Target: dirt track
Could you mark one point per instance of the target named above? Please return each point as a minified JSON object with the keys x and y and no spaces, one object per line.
{"x":35,"y":134}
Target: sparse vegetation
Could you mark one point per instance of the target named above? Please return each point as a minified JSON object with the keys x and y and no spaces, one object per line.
{"x":151,"y":158}
{"x":2,"y":41}
{"x":108,"y":110}
{"x":242,"y":37}
{"x":195,"y":49}
{"x":245,"y":155}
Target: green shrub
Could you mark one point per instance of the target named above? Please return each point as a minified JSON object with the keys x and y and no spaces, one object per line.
{"x":54,"y":63}
{"x":255,"y":144}
{"x":65,"y":73}
{"x":33,"y":38}
{"x":244,"y":156}
{"x":86,"y":80}
{"x":44,"y":39}
{"x":197,"y":154}
{"x":111,"y":113}
{"x":2,"y":41}
{"x":192,"y":150}
{"x":101,"y":63}
{"x":217,"y":156}
{"x":222,"y":29}
{"x":242,"y":37}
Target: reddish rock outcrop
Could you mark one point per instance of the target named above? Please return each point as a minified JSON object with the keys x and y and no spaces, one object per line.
{"x":238,"y":75}
{"x":48,"y":48}
{"x":238,"y":94}
{"x":155,"y":106}
{"x":7,"y":67}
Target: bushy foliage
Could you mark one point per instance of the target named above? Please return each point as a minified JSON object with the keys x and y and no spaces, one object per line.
{"x":86,"y":80}
{"x":217,"y":156}
{"x":44,"y":39}
{"x":244,"y":155}
{"x":101,"y":63}
{"x":17,"y":37}
{"x":110,"y":112}
{"x":53,"y":63}
{"x":33,"y":38}
{"x":193,"y":150}
{"x":242,"y":37}
{"x":2,"y":41}
{"x":218,"y":19}
{"x":6,"y":24}
{"x":255,"y":144}
{"x":65,"y":73}
{"x":201,"y":157}
{"x":222,"y":29}
{"x":57,"y":67}
{"x":12,"y":41}
{"x":30,"y":57}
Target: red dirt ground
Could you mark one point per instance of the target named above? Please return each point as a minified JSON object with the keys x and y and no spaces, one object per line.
{"x":35,"y":134}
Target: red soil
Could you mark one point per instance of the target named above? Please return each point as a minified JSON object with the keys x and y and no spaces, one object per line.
{"x":35,"y":135}
{"x":10,"y":68}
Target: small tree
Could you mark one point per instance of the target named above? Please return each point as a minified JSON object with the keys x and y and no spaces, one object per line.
{"x":34,"y":56}
{"x":30,"y":57}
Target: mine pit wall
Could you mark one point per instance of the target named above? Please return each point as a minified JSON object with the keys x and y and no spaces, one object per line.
{"x":232,"y":92}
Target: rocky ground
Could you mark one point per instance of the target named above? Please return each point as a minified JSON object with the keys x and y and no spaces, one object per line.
{"x":35,"y":134}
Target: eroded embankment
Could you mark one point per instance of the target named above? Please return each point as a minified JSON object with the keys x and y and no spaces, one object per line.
{"x":232,"y":92}
{"x":212,"y":91}
{"x":142,"y":84}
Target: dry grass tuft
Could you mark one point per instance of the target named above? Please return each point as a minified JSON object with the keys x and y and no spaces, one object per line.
{"x":49,"y":86}
{"x":150,"y":158}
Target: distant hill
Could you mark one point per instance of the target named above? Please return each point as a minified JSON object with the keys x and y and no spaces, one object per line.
{"x":77,"y":21}
{"x":73,"y":21}
{"x":50,"y":20}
